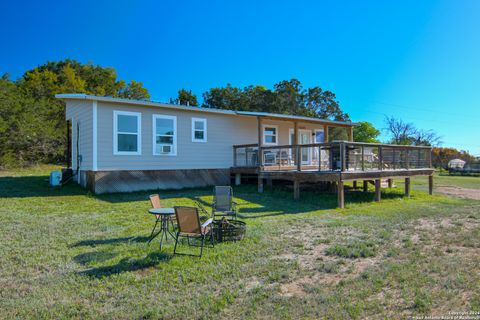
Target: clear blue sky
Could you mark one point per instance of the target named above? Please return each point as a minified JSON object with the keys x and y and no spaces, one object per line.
{"x":418,"y":60}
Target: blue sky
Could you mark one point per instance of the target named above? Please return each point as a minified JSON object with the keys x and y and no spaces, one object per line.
{"x":418,"y":60}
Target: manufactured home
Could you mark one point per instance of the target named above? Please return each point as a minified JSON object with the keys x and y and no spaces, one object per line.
{"x":120,"y":145}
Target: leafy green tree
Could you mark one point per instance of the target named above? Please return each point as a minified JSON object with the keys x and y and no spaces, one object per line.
{"x":32,"y":121}
{"x":134,"y":90}
{"x":226,"y":98}
{"x":185,"y":97}
{"x":366,"y":132}
{"x":323,"y":104}
{"x":288,"y":97}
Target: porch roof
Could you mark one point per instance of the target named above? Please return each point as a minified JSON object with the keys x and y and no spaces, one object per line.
{"x":287,"y":117}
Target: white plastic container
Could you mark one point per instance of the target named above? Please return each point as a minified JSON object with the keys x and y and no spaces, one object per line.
{"x":55,"y":178}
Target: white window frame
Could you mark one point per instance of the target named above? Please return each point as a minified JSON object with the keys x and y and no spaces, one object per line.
{"x":204,"y":129}
{"x":117,"y":113}
{"x":276,"y":135}
{"x":154,"y":134}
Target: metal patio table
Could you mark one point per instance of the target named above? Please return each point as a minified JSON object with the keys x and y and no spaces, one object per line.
{"x":165,"y":214}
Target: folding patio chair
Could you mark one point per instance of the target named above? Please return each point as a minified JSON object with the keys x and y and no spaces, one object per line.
{"x":223,"y":204}
{"x":189,"y":226}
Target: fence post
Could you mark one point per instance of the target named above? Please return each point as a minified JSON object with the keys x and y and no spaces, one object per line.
{"x":319,"y":158}
{"x":407,"y":159}
{"x":234,"y":156}
{"x":430,"y":158}
{"x":380,"y":158}
{"x":394,"y":159}
{"x":299,"y":160}
{"x":363,"y":158}
{"x":260,"y":158}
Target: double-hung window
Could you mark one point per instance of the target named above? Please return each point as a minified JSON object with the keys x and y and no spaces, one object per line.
{"x":164,"y":135}
{"x":127,"y":133}
{"x":270,"y":135}
{"x":199,"y":130}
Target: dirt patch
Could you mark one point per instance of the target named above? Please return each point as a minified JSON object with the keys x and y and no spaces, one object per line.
{"x":252,"y":283}
{"x":432,"y":224}
{"x":460,"y":192}
{"x":293,"y":289}
{"x":350,"y":269}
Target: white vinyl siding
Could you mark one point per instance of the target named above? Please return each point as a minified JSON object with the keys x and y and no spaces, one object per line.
{"x":164,"y":135}
{"x":199,"y":130}
{"x":224,"y":131}
{"x":80,"y":113}
{"x":127,"y":133}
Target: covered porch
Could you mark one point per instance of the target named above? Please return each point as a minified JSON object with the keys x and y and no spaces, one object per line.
{"x":335,"y":162}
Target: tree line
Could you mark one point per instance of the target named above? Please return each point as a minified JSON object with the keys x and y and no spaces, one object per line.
{"x":32,"y":121}
{"x":33,"y":126}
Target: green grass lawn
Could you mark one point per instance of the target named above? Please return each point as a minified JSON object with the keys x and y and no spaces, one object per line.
{"x":65,"y":253}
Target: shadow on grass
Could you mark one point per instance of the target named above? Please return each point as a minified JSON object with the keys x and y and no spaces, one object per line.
{"x":127,"y":265}
{"x":279,"y":201}
{"x":275,"y":201}
{"x":36,"y":186}
{"x":95,"y":242}
{"x":89,"y":257}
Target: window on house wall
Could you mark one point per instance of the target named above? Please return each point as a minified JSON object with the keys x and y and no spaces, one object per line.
{"x":164,"y":135}
{"x":270,"y":135}
{"x":319,"y":136}
{"x":199,"y":130}
{"x":127,"y":133}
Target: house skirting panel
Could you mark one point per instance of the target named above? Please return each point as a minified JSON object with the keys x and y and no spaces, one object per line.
{"x":136,"y":180}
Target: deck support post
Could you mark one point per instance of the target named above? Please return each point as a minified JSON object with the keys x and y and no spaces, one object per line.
{"x":269,"y":182}
{"x":260,"y":183}
{"x":238,"y":179}
{"x":390,"y":183}
{"x":365,"y":185}
{"x":430,"y":184}
{"x":354,"y":184}
{"x":296,"y":189}
{"x":340,"y":195}
{"x":378,"y":184}
{"x":407,"y":187}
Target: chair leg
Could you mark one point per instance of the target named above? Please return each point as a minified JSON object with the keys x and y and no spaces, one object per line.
{"x":203,"y":243}
{"x":176,"y":242}
{"x":212,"y":238}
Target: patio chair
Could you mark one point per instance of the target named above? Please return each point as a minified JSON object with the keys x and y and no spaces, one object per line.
{"x":189,"y":226}
{"x":155,"y":201}
{"x":223,"y":204}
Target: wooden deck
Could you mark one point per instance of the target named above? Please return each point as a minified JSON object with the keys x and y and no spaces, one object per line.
{"x":335,"y":162}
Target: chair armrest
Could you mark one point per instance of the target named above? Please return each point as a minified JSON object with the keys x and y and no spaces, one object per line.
{"x":206,"y":223}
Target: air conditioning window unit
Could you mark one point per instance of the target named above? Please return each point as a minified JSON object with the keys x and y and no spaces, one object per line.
{"x":166,"y":149}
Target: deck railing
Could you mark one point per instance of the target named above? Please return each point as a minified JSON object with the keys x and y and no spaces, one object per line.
{"x":333,"y":156}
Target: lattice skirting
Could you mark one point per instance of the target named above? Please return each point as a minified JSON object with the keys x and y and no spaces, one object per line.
{"x":136,"y":180}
